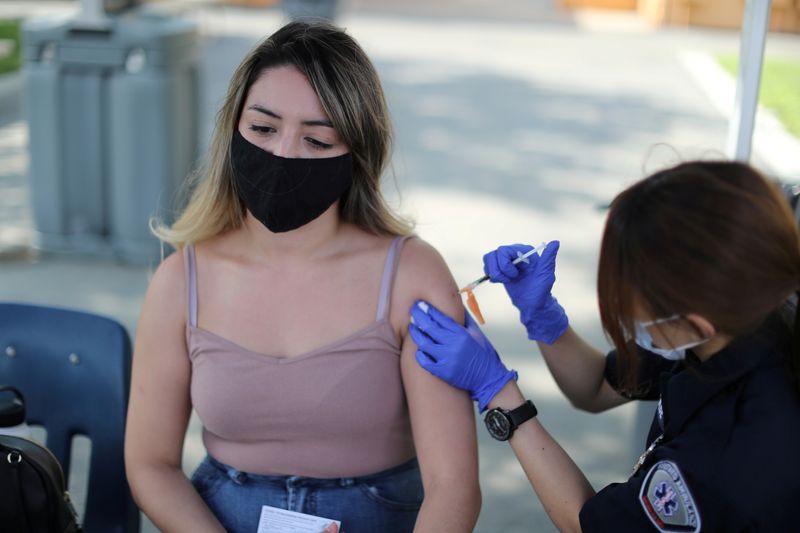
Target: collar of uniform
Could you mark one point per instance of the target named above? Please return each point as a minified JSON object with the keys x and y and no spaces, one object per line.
{"x":692,"y":387}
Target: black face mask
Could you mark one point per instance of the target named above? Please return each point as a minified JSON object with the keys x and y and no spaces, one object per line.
{"x":284,"y":194}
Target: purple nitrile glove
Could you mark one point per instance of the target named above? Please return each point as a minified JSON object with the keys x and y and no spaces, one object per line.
{"x":529,"y":283}
{"x":461,"y":356}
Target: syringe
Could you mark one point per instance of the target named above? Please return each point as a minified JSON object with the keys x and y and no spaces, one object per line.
{"x":520,"y":258}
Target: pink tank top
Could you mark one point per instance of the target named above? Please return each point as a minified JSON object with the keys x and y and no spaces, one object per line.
{"x":337,"y":411}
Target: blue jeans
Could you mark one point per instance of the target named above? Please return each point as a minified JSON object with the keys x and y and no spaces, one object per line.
{"x":385,"y":502}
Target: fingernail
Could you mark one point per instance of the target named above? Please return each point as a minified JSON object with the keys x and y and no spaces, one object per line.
{"x":422,"y":305}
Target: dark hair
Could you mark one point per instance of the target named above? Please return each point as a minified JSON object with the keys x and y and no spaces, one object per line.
{"x":712,"y":238}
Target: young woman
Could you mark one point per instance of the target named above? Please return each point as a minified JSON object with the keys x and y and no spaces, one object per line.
{"x":697,"y":267}
{"x":283,"y":322}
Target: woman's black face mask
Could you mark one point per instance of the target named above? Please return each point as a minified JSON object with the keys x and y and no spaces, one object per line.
{"x":285,"y":194}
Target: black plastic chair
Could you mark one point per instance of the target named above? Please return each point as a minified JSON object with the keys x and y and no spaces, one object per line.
{"x":74,"y":370}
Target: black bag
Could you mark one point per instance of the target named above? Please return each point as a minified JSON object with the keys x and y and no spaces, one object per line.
{"x":33,"y":495}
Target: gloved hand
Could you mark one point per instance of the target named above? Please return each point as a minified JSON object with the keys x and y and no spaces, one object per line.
{"x":529,"y":283}
{"x":461,"y":356}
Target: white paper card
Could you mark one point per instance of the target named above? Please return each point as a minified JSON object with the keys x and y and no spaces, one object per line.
{"x":275,"y":520}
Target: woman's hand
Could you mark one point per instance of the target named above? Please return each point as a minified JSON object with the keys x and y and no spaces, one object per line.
{"x":332,"y":528}
{"x":461,"y":356}
{"x":529,"y":283}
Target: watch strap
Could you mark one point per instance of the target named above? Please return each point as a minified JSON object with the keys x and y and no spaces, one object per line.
{"x":522,"y":414}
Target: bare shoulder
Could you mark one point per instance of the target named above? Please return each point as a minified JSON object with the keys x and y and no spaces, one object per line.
{"x":422,"y":265}
{"x":423,"y":274}
{"x":166,"y":294}
{"x":170,"y":274}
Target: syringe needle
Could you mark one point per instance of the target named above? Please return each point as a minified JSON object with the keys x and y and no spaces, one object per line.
{"x":519,"y":259}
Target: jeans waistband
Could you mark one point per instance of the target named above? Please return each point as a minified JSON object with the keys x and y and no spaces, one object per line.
{"x":296,"y":481}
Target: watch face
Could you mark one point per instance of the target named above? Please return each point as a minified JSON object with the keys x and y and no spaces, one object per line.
{"x":498,"y":424}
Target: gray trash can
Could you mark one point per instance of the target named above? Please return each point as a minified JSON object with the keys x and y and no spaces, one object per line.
{"x":113,"y":130}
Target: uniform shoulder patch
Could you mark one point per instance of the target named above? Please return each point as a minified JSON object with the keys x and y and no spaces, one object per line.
{"x":666,"y":499}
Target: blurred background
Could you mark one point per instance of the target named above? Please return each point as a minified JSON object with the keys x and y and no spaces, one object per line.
{"x":516,"y":121}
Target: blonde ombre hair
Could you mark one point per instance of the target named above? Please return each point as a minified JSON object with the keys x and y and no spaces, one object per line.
{"x":351,"y":94}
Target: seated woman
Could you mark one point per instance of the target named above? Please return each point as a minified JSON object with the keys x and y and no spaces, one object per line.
{"x":283,"y":321}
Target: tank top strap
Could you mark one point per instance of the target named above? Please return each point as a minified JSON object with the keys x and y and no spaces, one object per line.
{"x":190,"y":267}
{"x":389,"y":270}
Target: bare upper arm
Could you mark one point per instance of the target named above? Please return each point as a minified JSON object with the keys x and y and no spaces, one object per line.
{"x":442,"y":416}
{"x":423,"y":274}
{"x":159,"y":406}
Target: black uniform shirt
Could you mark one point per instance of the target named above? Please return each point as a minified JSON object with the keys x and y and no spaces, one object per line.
{"x":729,"y":456}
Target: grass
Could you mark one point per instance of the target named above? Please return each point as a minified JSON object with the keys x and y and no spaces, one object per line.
{"x":780,"y":88}
{"x":10,"y":31}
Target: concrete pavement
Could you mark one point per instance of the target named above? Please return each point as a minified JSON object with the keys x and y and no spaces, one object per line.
{"x":509,"y":129}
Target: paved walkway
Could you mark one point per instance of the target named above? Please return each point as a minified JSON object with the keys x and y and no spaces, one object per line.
{"x":512,"y":126}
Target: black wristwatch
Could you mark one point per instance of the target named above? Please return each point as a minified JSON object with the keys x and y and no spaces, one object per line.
{"x":501,"y":423}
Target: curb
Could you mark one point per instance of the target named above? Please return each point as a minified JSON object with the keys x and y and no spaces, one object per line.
{"x":771,"y":141}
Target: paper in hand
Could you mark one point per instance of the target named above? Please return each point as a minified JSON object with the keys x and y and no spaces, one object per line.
{"x":275,"y":520}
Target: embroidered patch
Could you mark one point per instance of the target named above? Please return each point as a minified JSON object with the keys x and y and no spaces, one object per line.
{"x":666,"y":499}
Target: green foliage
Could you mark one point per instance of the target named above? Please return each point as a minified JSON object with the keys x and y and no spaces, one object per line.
{"x":10,"y":35}
{"x":780,"y":88}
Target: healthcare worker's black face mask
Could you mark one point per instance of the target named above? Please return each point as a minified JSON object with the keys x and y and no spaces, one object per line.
{"x":284,"y":194}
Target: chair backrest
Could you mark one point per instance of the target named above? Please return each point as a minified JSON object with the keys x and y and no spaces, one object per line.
{"x":74,"y":370}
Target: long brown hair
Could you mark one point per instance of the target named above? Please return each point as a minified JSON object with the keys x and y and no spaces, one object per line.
{"x":713,"y":238}
{"x":350,"y":92}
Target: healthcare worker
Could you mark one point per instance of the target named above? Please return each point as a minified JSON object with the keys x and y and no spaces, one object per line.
{"x":698,"y":266}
